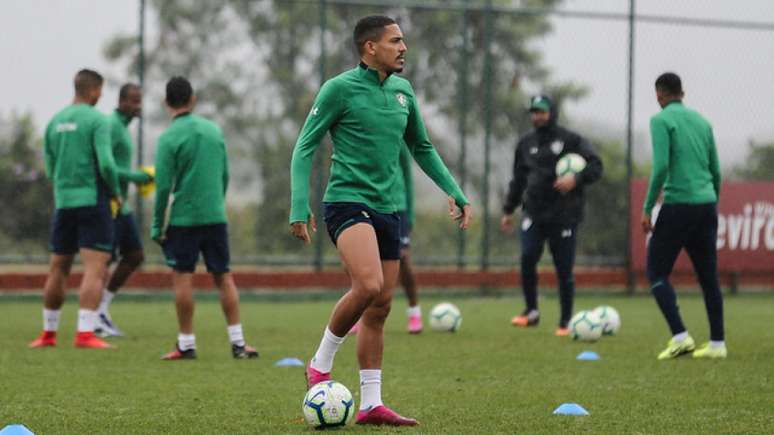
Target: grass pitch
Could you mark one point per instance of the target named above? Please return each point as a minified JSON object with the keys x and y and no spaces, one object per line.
{"x":488,"y":378}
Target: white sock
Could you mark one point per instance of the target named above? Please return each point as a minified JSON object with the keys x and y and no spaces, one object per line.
{"x":107,"y":297}
{"x":235,"y":334}
{"x":717,"y":344}
{"x":370,"y":389}
{"x":415,"y":311}
{"x":323,"y":359}
{"x":186,"y":341}
{"x":679,"y":338}
{"x":86,"y":320}
{"x":51,"y":319}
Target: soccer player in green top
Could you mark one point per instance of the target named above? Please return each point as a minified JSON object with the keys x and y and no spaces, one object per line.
{"x":80,"y":164}
{"x":189,"y":216}
{"x":369,"y":112}
{"x":686,"y":167}
{"x":128,"y":244}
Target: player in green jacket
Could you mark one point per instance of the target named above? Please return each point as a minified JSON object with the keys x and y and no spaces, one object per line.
{"x":80,"y":164}
{"x":686,"y":167}
{"x":370,"y":112}
{"x":128,"y":243}
{"x":189,"y":215}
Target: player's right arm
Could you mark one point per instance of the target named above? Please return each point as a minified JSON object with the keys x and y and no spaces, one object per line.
{"x":515,"y":190}
{"x":326,"y":110}
{"x":714,"y":164}
{"x":165,"y":172}
{"x":105,"y":162}
{"x":408,"y":183}
{"x":659,"y":133}
{"x":48,"y":152}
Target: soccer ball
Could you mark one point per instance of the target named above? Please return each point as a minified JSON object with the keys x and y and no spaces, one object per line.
{"x":445,"y":317}
{"x":611,"y":321}
{"x":570,"y":163}
{"x":328,"y":404}
{"x":585,"y":326}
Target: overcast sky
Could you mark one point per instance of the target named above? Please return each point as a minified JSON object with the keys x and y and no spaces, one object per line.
{"x":726,"y":73}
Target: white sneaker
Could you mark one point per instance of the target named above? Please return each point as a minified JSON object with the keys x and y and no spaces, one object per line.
{"x":106,"y":328}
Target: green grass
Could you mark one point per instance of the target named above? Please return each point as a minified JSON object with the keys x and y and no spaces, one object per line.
{"x":487,"y":378}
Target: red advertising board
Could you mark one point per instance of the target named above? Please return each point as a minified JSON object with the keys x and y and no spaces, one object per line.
{"x":745,"y":227}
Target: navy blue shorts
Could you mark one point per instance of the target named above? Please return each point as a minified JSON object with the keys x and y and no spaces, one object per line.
{"x":405,"y":230}
{"x":126,"y":235}
{"x":341,"y":215}
{"x":183,"y":244}
{"x":78,"y":228}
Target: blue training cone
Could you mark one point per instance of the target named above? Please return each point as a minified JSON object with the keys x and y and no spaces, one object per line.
{"x":588,"y":356}
{"x":289,"y":362}
{"x":570,"y":409}
{"x":16,"y":429}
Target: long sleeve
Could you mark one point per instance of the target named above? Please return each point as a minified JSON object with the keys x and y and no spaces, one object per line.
{"x":427,"y":157}
{"x":659,"y":132}
{"x":48,"y":153}
{"x":408,"y":182}
{"x":714,"y":164}
{"x":226,"y":175}
{"x":326,"y":110}
{"x":137,"y":177}
{"x":165,"y":173}
{"x":517,"y":184}
{"x":593,"y":170}
{"x":105,"y":161}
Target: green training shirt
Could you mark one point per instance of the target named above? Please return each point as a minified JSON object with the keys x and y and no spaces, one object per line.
{"x":78,"y":157}
{"x":404,"y":187}
{"x":191,"y":175}
{"x":368,"y":121}
{"x":123,"y":148}
{"x":685,"y":160}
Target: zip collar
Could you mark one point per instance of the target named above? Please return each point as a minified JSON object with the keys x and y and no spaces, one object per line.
{"x":180,"y":115}
{"x":124,"y":119}
{"x":371,"y":74}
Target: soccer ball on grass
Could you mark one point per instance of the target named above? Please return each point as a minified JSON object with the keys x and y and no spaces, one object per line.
{"x":611,"y":321}
{"x":445,"y":317}
{"x":328,"y":404}
{"x":585,"y":326}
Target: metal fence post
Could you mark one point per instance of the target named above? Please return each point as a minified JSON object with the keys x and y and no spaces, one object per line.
{"x":318,"y":246}
{"x":139,"y":205}
{"x":487,"y":77}
{"x":631,"y":282}
{"x":463,"y":128}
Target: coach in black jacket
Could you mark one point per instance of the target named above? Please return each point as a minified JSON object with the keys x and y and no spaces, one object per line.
{"x":553,"y":207}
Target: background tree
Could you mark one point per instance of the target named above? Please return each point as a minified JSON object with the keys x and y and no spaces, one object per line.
{"x":25,"y":192}
{"x":758,"y":164}
{"x":255,"y":65}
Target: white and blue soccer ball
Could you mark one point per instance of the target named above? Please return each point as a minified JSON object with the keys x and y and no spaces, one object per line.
{"x":585,"y":326}
{"x":445,"y":317}
{"x":570,"y":163}
{"x":328,"y":404}
{"x":611,"y":320}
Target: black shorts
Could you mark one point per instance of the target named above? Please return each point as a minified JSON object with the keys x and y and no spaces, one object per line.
{"x":341,"y":215}
{"x":126,"y":236}
{"x":183,"y":244}
{"x":77,"y":228}
{"x":405,"y":230}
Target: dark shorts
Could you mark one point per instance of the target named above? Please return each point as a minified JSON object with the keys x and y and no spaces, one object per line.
{"x":183,"y":244}
{"x":78,"y":228}
{"x":126,"y":236}
{"x":405,"y":231}
{"x":341,"y":215}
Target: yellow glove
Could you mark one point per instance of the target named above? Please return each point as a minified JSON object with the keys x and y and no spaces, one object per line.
{"x":147,"y":189}
{"x":115,"y":206}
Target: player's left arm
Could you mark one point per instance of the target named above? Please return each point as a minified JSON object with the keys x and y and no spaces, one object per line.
{"x":104,"y":151}
{"x":593,"y":170}
{"x":714,"y":164}
{"x":226,"y":176}
{"x":428,"y":159}
{"x":48,"y":153}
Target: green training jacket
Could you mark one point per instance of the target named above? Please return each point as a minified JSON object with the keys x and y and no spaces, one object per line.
{"x":123,"y":149}
{"x":367,"y":120}
{"x":78,"y":158}
{"x":685,"y":160}
{"x":191,"y":175}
